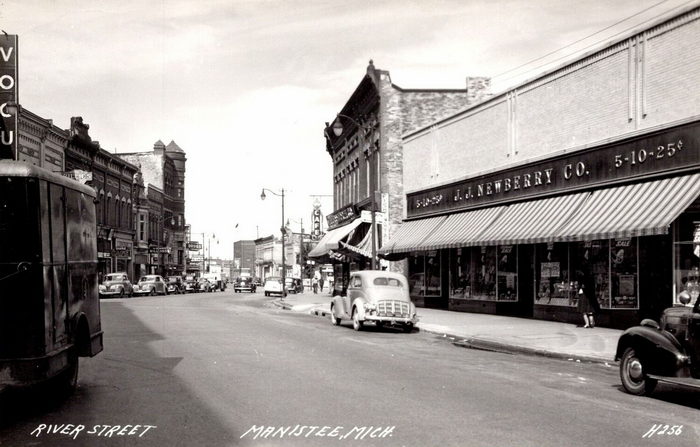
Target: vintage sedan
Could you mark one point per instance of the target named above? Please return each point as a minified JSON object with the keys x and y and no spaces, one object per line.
{"x":190,"y":286}
{"x":175,"y":284}
{"x":244,"y":284}
{"x":376,"y":296}
{"x":295,"y":285}
{"x":151,"y":285}
{"x":204,"y":285}
{"x":116,"y":284}
{"x":668,"y":352}
{"x":273,"y":286}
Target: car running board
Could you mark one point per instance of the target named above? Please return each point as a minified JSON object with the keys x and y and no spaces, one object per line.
{"x":684,"y":381}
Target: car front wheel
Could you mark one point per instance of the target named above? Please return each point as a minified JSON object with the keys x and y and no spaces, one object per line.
{"x":356,"y":322}
{"x":633,"y":376}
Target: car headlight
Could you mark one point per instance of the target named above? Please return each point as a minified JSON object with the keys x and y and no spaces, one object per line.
{"x":370,"y":307}
{"x":102,"y":288}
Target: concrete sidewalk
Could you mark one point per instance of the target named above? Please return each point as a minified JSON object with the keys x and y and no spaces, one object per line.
{"x":493,"y":332}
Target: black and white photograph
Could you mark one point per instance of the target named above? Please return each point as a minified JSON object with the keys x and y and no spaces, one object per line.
{"x":391,"y":223}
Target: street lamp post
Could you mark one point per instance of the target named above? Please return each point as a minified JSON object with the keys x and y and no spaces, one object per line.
{"x":282,"y":229}
{"x":337,"y":131}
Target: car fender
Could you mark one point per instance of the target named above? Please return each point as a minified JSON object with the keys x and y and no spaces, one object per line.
{"x":660,"y":351}
{"x":359,"y":304}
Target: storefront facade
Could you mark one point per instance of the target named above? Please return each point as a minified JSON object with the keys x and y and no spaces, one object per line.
{"x":592,"y":167}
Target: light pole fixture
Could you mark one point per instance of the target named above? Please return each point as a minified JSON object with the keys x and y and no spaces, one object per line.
{"x":283,"y":231}
{"x":372,"y":174}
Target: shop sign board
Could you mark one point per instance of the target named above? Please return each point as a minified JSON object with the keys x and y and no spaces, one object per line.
{"x":8,"y":96}
{"x":658,"y":153}
{"x":194,"y":246}
{"x":342,"y":216}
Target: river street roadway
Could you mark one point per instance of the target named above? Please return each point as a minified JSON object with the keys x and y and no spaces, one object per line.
{"x":218,"y":369}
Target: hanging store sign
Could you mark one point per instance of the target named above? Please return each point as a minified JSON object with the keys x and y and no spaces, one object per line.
{"x":652,"y":154}
{"x":9,"y":98}
{"x":342,"y":216}
{"x":194,"y":246}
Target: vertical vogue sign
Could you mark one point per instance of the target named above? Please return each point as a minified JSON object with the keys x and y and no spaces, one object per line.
{"x":8,"y":95}
{"x":661,"y":152}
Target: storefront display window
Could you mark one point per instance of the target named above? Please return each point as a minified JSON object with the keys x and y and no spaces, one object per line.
{"x":483,"y":273}
{"x":432,"y":274}
{"x":686,"y":253}
{"x":554,"y":286}
{"x":507,"y":285}
{"x":593,"y":257}
{"x":424,"y":276}
{"x":624,"y":274}
{"x":416,"y":274}
{"x":460,"y":278}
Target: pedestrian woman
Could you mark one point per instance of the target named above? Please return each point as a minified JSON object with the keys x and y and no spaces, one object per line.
{"x":314,"y":284}
{"x":587,"y":300}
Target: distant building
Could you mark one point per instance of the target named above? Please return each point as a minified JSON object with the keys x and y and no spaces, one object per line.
{"x":244,"y":257}
{"x":367,"y":157}
{"x":163,"y":171}
{"x":113,"y":180}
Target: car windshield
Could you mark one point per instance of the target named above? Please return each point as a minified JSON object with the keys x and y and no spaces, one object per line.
{"x":390,"y":282}
{"x":173,"y":279}
{"x":147,"y":278}
{"x":273,"y":279}
{"x":113,"y":277}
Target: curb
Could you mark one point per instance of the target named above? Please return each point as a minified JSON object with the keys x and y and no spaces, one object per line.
{"x":487,"y":345}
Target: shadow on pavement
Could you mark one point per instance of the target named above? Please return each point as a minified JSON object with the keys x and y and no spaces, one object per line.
{"x":128,"y":384}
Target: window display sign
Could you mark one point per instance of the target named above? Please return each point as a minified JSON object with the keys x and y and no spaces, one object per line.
{"x":507,"y":286}
{"x":623,"y":273}
{"x":552,"y":276}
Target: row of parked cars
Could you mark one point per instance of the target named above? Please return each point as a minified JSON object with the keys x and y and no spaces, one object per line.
{"x":118,"y":285}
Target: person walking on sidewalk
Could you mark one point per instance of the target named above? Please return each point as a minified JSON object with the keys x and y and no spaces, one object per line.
{"x":314,"y":284}
{"x":320,"y":284}
{"x":587,"y":300}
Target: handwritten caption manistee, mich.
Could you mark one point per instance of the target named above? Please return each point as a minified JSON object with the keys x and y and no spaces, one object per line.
{"x":104,"y":431}
{"x":325,"y":431}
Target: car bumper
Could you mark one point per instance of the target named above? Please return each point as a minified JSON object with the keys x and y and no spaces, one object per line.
{"x":141,"y":292}
{"x":391,"y":319}
{"x":112,"y":293}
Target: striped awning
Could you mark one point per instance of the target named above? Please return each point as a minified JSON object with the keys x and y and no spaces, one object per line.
{"x":463,"y":229}
{"x":411,"y":234}
{"x":330,"y":241}
{"x":364,"y":248}
{"x":533,"y":222}
{"x":639,"y":209}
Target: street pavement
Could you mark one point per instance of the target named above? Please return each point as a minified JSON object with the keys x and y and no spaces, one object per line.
{"x":492,"y":332}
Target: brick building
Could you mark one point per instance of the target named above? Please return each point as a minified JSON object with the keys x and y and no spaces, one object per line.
{"x":367,"y":156}
{"x":40,"y":142}
{"x":113,"y":180}
{"x":590,"y":171}
{"x":163,"y":171}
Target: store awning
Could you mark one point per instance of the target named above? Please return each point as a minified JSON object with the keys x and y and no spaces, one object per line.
{"x":364,"y":247}
{"x":532,"y":222}
{"x":411,"y":234}
{"x":640,"y":209}
{"x":463,"y":229}
{"x":330,"y":241}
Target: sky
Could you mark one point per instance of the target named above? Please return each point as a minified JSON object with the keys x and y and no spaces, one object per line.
{"x":245,"y":86}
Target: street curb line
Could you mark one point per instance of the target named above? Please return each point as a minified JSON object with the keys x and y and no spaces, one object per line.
{"x":486,"y":345}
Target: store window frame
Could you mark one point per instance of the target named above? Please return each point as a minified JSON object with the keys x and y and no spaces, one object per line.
{"x":474,"y":251}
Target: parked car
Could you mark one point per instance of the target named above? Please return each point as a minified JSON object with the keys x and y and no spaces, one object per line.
{"x":191,"y":286}
{"x":151,"y":285}
{"x":204,"y":285}
{"x":273,"y":286}
{"x":257,"y":282}
{"x":175,"y":284}
{"x":668,"y":352}
{"x":294,"y":285}
{"x":376,"y":296}
{"x":244,"y":284}
{"x":116,"y":284}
